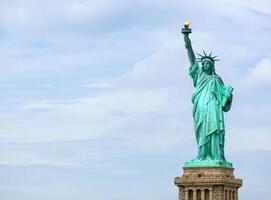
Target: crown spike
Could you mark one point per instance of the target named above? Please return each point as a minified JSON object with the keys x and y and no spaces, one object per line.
{"x":199,"y":55}
{"x":207,"y":56}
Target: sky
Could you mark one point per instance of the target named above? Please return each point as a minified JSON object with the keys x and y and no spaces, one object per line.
{"x":95,"y":99}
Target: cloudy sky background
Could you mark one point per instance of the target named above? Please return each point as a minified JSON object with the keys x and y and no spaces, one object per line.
{"x":95,"y":95}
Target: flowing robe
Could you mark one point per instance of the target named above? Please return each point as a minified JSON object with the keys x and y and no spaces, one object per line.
{"x":210,"y":100}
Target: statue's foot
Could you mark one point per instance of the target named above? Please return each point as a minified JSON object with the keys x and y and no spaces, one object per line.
{"x":208,"y":158}
{"x":207,"y":163}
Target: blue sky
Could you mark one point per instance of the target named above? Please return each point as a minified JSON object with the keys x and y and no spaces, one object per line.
{"x":95,"y":95}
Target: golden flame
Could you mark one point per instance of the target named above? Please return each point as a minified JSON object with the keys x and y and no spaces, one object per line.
{"x":186,"y":24}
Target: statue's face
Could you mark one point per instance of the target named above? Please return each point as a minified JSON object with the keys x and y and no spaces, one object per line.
{"x":207,"y":66}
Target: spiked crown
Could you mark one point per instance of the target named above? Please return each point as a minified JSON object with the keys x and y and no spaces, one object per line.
{"x":207,"y":57}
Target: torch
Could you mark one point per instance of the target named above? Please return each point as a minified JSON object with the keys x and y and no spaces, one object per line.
{"x":186,"y":30}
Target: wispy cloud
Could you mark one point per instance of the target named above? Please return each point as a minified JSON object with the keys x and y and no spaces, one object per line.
{"x":258,"y":77}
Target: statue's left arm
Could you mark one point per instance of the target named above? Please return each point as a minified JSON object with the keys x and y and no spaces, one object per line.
{"x":227,"y":99}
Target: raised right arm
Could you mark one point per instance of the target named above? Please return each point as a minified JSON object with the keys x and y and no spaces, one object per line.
{"x":194,"y":68}
{"x":189,"y":49}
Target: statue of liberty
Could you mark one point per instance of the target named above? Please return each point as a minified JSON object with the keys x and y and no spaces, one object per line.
{"x":210,"y":99}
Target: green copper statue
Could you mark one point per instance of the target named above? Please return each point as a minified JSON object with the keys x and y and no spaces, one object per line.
{"x":210,"y":98}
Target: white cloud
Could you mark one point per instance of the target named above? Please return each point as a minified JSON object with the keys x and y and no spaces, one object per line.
{"x":77,"y":119}
{"x":263,"y":6}
{"x":258,"y":76}
{"x":241,"y":138}
{"x":103,"y":85}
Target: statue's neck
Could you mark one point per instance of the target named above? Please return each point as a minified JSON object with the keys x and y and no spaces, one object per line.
{"x":209,"y":72}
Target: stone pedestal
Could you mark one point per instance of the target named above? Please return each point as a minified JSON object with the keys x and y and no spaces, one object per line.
{"x":208,"y":183}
